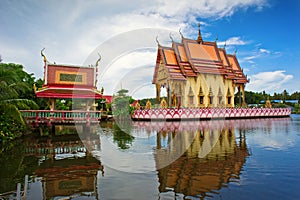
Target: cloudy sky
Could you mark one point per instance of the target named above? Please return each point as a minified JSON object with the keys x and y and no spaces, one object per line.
{"x":264,"y":32}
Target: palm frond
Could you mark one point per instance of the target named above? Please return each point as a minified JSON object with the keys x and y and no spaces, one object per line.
{"x":20,"y":87}
{"x":7,"y":92}
{"x":7,"y":75}
{"x":22,"y":104}
{"x":12,"y":111}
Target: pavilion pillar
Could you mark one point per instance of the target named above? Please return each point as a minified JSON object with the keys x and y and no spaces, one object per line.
{"x":240,"y":98}
{"x":52,"y":104}
{"x":243,"y":95}
{"x":169,"y":95}
{"x":88,"y":105}
{"x":157,"y":92}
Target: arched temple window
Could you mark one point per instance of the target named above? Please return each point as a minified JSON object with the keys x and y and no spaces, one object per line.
{"x":210,"y":97}
{"x":228,"y":96}
{"x":220,"y":97}
{"x":201,"y":96}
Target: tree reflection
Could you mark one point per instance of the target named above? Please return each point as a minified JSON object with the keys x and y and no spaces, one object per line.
{"x":121,"y":138}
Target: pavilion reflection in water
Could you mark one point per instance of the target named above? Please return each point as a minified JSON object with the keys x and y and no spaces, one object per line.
{"x":214,"y":157}
{"x":67,"y":168}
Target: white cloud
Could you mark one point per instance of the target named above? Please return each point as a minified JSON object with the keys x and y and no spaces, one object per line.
{"x":279,"y":143}
{"x":259,"y":53}
{"x":205,"y":8}
{"x":233,"y":41}
{"x":268,"y":81}
{"x":73,"y":31}
{"x":264,"y":51}
{"x":133,"y":71}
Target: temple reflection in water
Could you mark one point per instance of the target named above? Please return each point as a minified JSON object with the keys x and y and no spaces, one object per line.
{"x":214,"y":158}
{"x":67,"y":168}
{"x":192,"y":159}
{"x":215,"y":155}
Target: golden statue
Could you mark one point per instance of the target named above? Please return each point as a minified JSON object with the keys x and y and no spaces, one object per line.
{"x":163,"y":103}
{"x":148,"y":105}
{"x":268,"y":103}
{"x":137,"y":106}
{"x":174,"y":100}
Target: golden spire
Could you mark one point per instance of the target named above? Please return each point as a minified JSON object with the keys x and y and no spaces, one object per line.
{"x":199,"y":39}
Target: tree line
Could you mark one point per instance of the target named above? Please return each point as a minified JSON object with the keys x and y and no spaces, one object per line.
{"x":257,"y":97}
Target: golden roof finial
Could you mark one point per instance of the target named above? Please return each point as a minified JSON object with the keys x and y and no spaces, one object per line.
{"x":34,"y":88}
{"x":170,"y":35}
{"x":157,"y":40}
{"x":180,"y":33}
{"x":216,"y":38}
{"x":199,"y":39}
{"x":97,"y":62}
{"x":224,"y":45}
{"x":42,"y":54}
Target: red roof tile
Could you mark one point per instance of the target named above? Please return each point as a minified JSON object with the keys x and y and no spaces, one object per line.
{"x":189,"y":58}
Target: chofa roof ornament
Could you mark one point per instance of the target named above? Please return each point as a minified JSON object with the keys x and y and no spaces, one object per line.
{"x":170,"y":35}
{"x":157,"y":40}
{"x":97,"y":62}
{"x":180,"y":33}
{"x":43,"y":55}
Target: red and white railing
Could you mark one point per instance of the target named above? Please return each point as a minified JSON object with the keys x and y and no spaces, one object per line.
{"x":208,"y":113}
{"x":60,"y":116}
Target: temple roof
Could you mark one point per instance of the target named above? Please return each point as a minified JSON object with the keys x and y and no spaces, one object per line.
{"x":192,"y":57}
{"x":68,"y":93}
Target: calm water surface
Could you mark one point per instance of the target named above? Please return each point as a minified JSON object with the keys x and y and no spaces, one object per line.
{"x":232,"y":159}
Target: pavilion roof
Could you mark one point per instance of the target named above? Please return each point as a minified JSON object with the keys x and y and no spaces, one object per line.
{"x":68,"y":93}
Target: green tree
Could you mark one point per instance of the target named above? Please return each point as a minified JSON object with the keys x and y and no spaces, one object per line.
{"x":121,"y":104}
{"x":254,"y":97}
{"x":285,"y":95}
{"x":13,"y":87}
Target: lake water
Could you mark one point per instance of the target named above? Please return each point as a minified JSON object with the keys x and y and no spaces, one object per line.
{"x":216,"y":159}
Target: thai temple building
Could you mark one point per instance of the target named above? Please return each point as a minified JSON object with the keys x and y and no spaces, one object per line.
{"x":197,"y":73}
{"x":70,"y":82}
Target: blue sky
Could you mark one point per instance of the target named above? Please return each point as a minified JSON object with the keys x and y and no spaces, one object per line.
{"x":264,"y":32}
